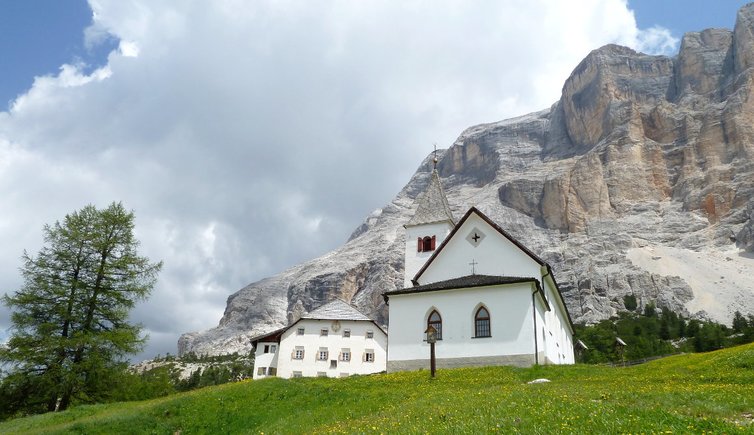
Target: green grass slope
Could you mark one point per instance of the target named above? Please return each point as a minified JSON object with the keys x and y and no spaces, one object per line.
{"x":697,"y":393}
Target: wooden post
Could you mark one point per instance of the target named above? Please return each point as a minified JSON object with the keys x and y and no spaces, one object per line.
{"x":432,"y":358}
{"x":431,"y":339}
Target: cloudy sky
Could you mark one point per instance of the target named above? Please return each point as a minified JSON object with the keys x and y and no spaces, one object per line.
{"x":251,"y":136}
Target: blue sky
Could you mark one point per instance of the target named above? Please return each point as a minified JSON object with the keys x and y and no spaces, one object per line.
{"x":252,"y":136}
{"x":37,"y":36}
{"x":680,"y":16}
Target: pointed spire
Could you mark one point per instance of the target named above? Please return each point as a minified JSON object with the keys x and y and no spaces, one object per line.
{"x":432,"y":204}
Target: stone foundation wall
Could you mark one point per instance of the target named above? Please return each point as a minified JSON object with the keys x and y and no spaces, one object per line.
{"x":524,"y":360}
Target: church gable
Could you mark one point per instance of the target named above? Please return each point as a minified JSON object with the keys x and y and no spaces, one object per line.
{"x":476,"y":245}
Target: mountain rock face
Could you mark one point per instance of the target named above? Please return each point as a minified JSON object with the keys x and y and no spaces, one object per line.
{"x":639,"y":180}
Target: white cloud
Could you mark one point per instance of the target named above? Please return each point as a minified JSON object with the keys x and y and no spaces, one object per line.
{"x":250,"y":136}
{"x":657,"y":40}
{"x":129,"y":49}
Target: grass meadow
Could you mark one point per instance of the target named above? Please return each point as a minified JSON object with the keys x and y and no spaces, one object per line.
{"x":695,"y":393}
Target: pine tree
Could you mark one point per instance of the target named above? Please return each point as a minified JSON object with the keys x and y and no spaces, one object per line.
{"x":629,"y":301}
{"x":649,"y":310}
{"x":70,"y":330}
{"x":739,"y":322}
{"x":664,"y":329}
{"x":681,"y":328}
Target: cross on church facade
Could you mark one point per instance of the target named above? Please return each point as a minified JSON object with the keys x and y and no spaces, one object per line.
{"x":476,"y":237}
{"x":473,"y":268}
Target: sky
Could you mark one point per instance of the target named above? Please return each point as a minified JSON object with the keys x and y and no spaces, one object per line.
{"x":248,"y":137}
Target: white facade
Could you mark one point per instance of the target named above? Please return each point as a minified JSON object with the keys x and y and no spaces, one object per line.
{"x":266,"y":359}
{"x":507,"y":305}
{"x":492,"y":253}
{"x":556,"y":328}
{"x":479,"y":265}
{"x":416,"y":258}
{"x":324,"y":347}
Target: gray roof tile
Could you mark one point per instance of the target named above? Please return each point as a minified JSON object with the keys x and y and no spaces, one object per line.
{"x":336,"y":310}
{"x":432,"y":205}
{"x":468,"y":281}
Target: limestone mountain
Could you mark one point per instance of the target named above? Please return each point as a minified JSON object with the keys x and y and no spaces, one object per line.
{"x":639,"y":180}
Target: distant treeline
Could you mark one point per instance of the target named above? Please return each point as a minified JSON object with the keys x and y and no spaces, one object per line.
{"x":162,"y":380}
{"x":653,"y":332}
{"x":165,"y":378}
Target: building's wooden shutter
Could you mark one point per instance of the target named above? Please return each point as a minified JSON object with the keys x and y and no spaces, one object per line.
{"x":419,"y":244}
{"x":433,"y":242}
{"x":293,"y":354}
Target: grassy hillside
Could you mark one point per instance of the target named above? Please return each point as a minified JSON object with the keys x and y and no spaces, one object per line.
{"x":712,"y":392}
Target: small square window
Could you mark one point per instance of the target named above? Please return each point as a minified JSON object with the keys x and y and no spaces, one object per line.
{"x":346,"y":333}
{"x":297,"y":374}
{"x":370,"y":334}
{"x":344,"y":375}
{"x":321,"y":374}
{"x":300,"y":331}
{"x":262,"y":371}
{"x":323,"y":332}
{"x":273,"y":348}
{"x":369,"y":356}
{"x":322,"y":356}
{"x":345,"y":355}
{"x":298,"y":353}
{"x":266,"y":348}
{"x":333,"y":364}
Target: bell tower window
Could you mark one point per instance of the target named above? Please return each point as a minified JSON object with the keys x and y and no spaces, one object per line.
{"x":426,"y":244}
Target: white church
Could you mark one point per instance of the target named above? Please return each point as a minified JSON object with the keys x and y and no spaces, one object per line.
{"x":490,"y":299}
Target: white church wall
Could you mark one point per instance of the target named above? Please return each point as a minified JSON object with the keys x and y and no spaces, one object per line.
{"x":541,"y":332}
{"x":493,"y":254}
{"x":511,"y":323}
{"x":561,"y":349}
{"x":335,"y":342}
{"x":415,"y":259}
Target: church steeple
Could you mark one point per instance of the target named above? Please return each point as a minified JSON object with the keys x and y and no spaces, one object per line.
{"x":428,"y":227}
{"x":432,"y":205}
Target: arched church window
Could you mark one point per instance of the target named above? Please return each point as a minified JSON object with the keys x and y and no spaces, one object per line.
{"x":434,"y":320}
{"x":482,"y":323}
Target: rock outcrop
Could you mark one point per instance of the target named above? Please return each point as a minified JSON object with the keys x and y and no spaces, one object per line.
{"x":642,"y":154}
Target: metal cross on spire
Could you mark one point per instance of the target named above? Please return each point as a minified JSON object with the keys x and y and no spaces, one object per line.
{"x":434,"y":159}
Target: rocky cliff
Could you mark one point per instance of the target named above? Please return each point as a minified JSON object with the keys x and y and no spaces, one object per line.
{"x":639,"y":180}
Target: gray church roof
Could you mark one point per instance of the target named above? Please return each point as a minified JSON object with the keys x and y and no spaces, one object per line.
{"x":336,"y":310}
{"x":432,"y":205}
{"x":468,"y":281}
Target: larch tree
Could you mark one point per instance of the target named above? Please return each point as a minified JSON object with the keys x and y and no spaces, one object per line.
{"x":70,"y":332}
